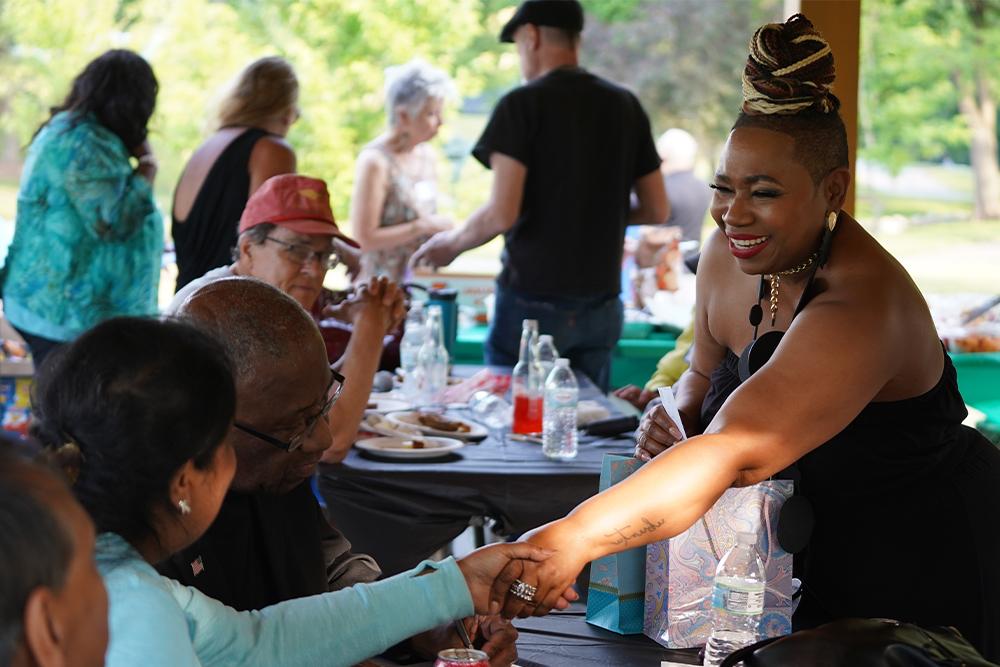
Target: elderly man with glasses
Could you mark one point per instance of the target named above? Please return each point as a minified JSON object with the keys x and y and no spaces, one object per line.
{"x":288,"y":238}
{"x":271,"y":541}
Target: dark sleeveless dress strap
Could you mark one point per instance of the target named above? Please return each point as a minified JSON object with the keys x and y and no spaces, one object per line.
{"x":205,"y":239}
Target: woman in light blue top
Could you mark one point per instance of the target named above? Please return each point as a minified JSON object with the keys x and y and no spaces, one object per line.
{"x":88,"y":240}
{"x":147,"y":404}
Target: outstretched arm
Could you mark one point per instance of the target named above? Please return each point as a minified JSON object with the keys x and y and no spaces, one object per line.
{"x":493,"y":218}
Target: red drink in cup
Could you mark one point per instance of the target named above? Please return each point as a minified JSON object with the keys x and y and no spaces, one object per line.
{"x":528,"y":414}
{"x":462,"y":657}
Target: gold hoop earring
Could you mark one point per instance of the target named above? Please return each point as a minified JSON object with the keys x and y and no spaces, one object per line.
{"x":831,"y":220}
{"x":184,"y":507}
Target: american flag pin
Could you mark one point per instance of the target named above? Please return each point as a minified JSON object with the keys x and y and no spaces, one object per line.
{"x":197,"y":566}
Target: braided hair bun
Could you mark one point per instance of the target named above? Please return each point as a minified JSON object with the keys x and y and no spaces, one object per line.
{"x":789,"y":70}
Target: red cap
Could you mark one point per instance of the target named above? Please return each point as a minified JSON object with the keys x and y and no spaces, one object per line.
{"x":300,"y":203}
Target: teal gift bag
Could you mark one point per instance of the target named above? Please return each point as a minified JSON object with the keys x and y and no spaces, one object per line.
{"x":615,"y":598}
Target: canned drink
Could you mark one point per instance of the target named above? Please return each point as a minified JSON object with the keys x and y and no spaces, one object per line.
{"x":462,"y":657}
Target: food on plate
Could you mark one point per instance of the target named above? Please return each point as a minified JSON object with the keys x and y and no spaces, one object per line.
{"x":977,"y":343}
{"x":442,"y":423}
{"x":414,"y":444}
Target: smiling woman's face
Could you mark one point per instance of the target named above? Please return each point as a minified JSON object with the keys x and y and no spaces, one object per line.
{"x":766,"y":201}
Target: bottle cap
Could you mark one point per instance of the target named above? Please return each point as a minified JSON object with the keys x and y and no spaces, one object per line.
{"x":746,"y":538}
{"x":532,"y":324}
{"x":545,"y":337}
{"x":562,"y":362}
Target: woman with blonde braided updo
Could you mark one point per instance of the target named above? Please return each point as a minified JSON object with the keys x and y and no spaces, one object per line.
{"x":812,"y":347}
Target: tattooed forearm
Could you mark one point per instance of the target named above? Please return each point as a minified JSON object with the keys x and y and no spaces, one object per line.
{"x":625,"y":534}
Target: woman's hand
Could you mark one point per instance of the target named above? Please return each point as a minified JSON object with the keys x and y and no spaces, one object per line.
{"x":148,"y":165}
{"x":553,"y":577}
{"x":496,"y":567}
{"x":430,"y":225}
{"x":657,"y":432}
{"x":635,"y":396}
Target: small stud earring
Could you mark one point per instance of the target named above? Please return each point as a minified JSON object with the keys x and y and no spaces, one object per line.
{"x":184,"y":507}
{"x":831,"y":220}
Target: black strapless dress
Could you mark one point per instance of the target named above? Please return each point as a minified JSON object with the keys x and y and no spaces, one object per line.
{"x":907,"y":503}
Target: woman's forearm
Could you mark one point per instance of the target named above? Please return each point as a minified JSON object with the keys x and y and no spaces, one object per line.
{"x":382,"y":238}
{"x":660,"y":500}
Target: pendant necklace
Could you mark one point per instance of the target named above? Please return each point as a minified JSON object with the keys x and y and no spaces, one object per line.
{"x":759,"y":350}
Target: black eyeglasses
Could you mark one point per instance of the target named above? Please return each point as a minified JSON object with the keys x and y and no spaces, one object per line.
{"x":333,"y":392}
{"x":302,"y":254}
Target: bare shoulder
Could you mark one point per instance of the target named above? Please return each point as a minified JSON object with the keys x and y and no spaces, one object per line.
{"x":272,"y":148}
{"x":882,"y":307}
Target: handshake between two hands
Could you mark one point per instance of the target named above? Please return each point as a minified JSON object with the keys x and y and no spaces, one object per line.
{"x":520,"y":579}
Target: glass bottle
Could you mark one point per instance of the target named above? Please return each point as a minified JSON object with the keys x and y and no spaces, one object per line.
{"x":433,"y":357}
{"x":526,"y":383}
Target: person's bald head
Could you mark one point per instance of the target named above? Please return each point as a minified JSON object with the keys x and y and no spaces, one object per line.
{"x":281,"y":373}
{"x":254,"y":321}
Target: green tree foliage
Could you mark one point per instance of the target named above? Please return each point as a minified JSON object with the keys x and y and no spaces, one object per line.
{"x":683,"y":58}
{"x":929,"y":84}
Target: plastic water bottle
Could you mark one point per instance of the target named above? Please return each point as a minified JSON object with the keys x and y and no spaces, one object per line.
{"x":546,"y":355}
{"x":409,"y":350}
{"x":561,"y":394}
{"x":433,"y":358}
{"x":737,"y":600}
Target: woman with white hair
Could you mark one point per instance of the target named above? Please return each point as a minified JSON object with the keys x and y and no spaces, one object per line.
{"x":393,"y":207}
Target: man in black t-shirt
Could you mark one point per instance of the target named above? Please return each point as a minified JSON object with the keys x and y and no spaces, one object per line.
{"x":566,"y":149}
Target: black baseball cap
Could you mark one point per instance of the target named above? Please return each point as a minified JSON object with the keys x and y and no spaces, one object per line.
{"x":565,"y":14}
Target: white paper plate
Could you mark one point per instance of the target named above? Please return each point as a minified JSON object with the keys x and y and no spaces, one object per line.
{"x":410,"y":419}
{"x":384,"y":405}
{"x":378,"y":423}
{"x":396,"y":447}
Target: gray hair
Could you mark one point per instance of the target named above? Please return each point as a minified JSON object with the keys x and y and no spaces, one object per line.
{"x":257,"y":235}
{"x":409,"y":86}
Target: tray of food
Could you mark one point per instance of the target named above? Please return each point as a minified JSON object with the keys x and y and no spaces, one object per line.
{"x":437,"y":423}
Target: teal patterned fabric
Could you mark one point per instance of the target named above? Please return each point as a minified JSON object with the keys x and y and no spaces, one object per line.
{"x":88,"y":240}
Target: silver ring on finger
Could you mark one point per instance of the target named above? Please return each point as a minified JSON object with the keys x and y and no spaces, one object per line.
{"x":523,"y":591}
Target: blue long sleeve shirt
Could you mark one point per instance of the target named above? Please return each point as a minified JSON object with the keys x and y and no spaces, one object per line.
{"x":88,"y":241}
{"x":157,"y":622}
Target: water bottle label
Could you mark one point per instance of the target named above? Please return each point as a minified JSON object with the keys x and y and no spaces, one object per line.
{"x":746,"y":600}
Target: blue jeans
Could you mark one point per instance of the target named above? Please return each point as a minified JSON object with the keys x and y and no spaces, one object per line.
{"x":584,"y":331}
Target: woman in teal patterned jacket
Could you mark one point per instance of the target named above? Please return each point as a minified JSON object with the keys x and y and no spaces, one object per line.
{"x":89,"y":239}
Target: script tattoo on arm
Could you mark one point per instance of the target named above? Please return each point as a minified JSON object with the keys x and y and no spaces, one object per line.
{"x":625,"y":534}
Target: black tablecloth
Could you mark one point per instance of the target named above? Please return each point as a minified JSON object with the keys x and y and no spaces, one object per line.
{"x":403,"y":511}
{"x":566,"y":639}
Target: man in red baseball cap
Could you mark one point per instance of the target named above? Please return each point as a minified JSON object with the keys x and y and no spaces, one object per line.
{"x":289,"y":239}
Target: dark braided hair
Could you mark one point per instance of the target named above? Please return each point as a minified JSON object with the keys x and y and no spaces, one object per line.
{"x":138,"y":398}
{"x":786,"y":89}
{"x":120,"y":89}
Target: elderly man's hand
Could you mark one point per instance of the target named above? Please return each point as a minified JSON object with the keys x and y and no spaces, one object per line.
{"x":380,"y":301}
{"x":439,"y":250}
